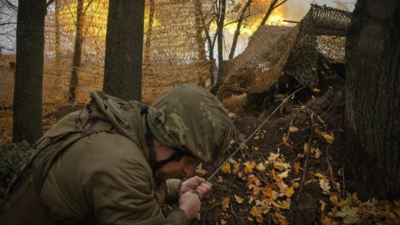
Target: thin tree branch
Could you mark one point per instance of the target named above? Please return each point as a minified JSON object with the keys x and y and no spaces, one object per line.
{"x":11,"y":5}
{"x":2,"y":24}
{"x":49,"y":3}
{"x":279,"y":4}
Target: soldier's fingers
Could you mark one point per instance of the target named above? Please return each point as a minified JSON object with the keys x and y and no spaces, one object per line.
{"x":199,"y":179}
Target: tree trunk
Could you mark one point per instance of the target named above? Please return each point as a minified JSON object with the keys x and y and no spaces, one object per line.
{"x":58,"y":40}
{"x":373,"y":98}
{"x":124,"y":49}
{"x":237,"y":32}
{"x":220,"y":31}
{"x":270,"y":9}
{"x":27,"y":107}
{"x":76,"y":62}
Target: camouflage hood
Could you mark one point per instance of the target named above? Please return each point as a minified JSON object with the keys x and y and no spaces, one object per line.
{"x":193,"y":120}
{"x":105,"y":111}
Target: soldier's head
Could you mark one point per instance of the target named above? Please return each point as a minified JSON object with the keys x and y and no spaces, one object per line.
{"x":189,"y":125}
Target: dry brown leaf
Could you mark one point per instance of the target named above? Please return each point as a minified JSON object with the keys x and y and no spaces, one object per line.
{"x":286,"y":144}
{"x":201,"y":173}
{"x":324,"y":184}
{"x":239,"y":199}
{"x":319,"y":175}
{"x":317,"y":153}
{"x":281,"y":168}
{"x":226,"y":216}
{"x":335,"y":201}
{"x":254,"y":179}
{"x":240,"y":174}
{"x":297,"y":167}
{"x":260,"y":167}
{"x":235,"y":165}
{"x":311,"y":181}
{"x":323,"y":204}
{"x":250,"y":219}
{"x":272,"y":157}
{"x":293,"y":129}
{"x":284,"y":174}
{"x":225,"y":204}
{"x":262,"y":135}
{"x":223,"y":222}
{"x":212,"y":202}
{"x":279,"y":219}
{"x":226,"y":168}
{"x":251,"y":199}
{"x":254,"y":189}
{"x":282,"y":187}
{"x":220,"y":179}
{"x":256,"y":148}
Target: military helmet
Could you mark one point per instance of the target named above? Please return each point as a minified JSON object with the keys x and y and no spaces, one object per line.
{"x":191,"y":119}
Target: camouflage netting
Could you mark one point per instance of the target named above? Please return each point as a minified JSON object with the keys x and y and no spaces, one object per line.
{"x":174,"y":47}
{"x":12,"y":157}
{"x":274,"y":51}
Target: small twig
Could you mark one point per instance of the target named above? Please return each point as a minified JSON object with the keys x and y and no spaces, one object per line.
{"x":262,"y":179}
{"x":305,"y":168}
{"x":352,"y":169}
{"x":330,"y":169}
{"x":232,"y":210}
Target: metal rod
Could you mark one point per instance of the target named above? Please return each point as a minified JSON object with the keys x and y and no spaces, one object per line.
{"x":216,"y":171}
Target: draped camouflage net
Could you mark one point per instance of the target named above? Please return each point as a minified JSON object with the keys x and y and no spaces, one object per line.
{"x":276,"y":50}
{"x":173,"y":48}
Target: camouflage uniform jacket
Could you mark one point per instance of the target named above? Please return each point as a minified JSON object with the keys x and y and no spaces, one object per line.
{"x":105,"y":177}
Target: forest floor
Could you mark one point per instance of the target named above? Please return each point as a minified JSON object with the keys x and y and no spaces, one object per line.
{"x":262,"y":181}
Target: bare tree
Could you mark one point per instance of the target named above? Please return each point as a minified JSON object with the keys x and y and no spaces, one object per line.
{"x":221,"y":9}
{"x":124,"y":49}
{"x":373,"y":98}
{"x":273,"y":5}
{"x":239,"y":25}
{"x":27,"y":106}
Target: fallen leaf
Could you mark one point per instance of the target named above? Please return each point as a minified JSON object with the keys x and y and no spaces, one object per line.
{"x":235,"y":165}
{"x":212,"y":202}
{"x":254,"y":179}
{"x":323,"y":204}
{"x":251,"y":199}
{"x":305,"y":148}
{"x":286,"y":144}
{"x":279,"y":219}
{"x":226,"y":168}
{"x":286,"y":204}
{"x":275,"y":195}
{"x":284,"y":174}
{"x":397,"y":203}
{"x":256,"y":137}
{"x":262,"y":136}
{"x":200,"y":171}
{"x":284,"y":137}
{"x":317,"y":132}
{"x":239,"y":199}
{"x":335,"y":201}
{"x":255,"y":189}
{"x":297,"y":167}
{"x":319,"y":175}
{"x":289,"y":192}
{"x":260,"y":167}
{"x":282,"y":187}
{"x":279,"y":167}
{"x":348,"y":211}
{"x":311,"y":181}
{"x":226,"y":216}
{"x":282,"y":164}
{"x":225,"y":203}
{"x":312,"y":96}
{"x":223,"y":222}
{"x":220,"y":179}
{"x":295,"y":185}
{"x":350,"y":220}
{"x":329,"y":138}
{"x":317,"y":153}
{"x":316,"y":90}
{"x":256,"y":148}
{"x":250,"y":219}
{"x":273,"y":157}
{"x":324,"y":184}
{"x":240,"y":174}
{"x":341,"y":214}
{"x":249,"y":167}
{"x":293,"y":129}
{"x":254,"y":211}
{"x":296,"y":179}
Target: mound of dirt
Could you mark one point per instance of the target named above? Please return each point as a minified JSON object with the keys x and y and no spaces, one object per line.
{"x":285,"y":136}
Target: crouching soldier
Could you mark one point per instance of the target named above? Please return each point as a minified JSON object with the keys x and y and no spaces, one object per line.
{"x":114,"y":162}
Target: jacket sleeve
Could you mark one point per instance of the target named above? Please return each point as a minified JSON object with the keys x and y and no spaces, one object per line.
{"x":174,"y":186}
{"x":119,"y":190}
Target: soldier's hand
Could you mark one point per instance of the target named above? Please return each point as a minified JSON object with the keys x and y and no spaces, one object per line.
{"x":196,"y":183}
{"x":190,"y":203}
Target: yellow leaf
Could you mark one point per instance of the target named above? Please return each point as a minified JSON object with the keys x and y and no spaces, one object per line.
{"x":254,"y":211}
{"x":335,"y":201}
{"x":297,"y":167}
{"x":226,"y":168}
{"x":305,"y":148}
{"x":239,"y":199}
{"x":397,"y":203}
{"x":329,"y":138}
{"x":275,"y":195}
{"x":225,"y":203}
{"x":319,"y":175}
{"x":330,"y":87}
{"x":255,"y":189}
{"x":312,"y":96}
{"x":293,"y":129}
{"x":262,"y":135}
{"x":256,"y":137}
{"x":286,"y":204}
{"x":316,"y":90}
{"x":284,"y":137}
{"x":212,"y":202}
{"x":289,"y":192}
{"x":279,"y":167}
{"x":249,"y":167}
{"x":279,"y":219}
{"x":254,"y":179}
{"x":295,"y":185}
{"x":287,"y":144}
